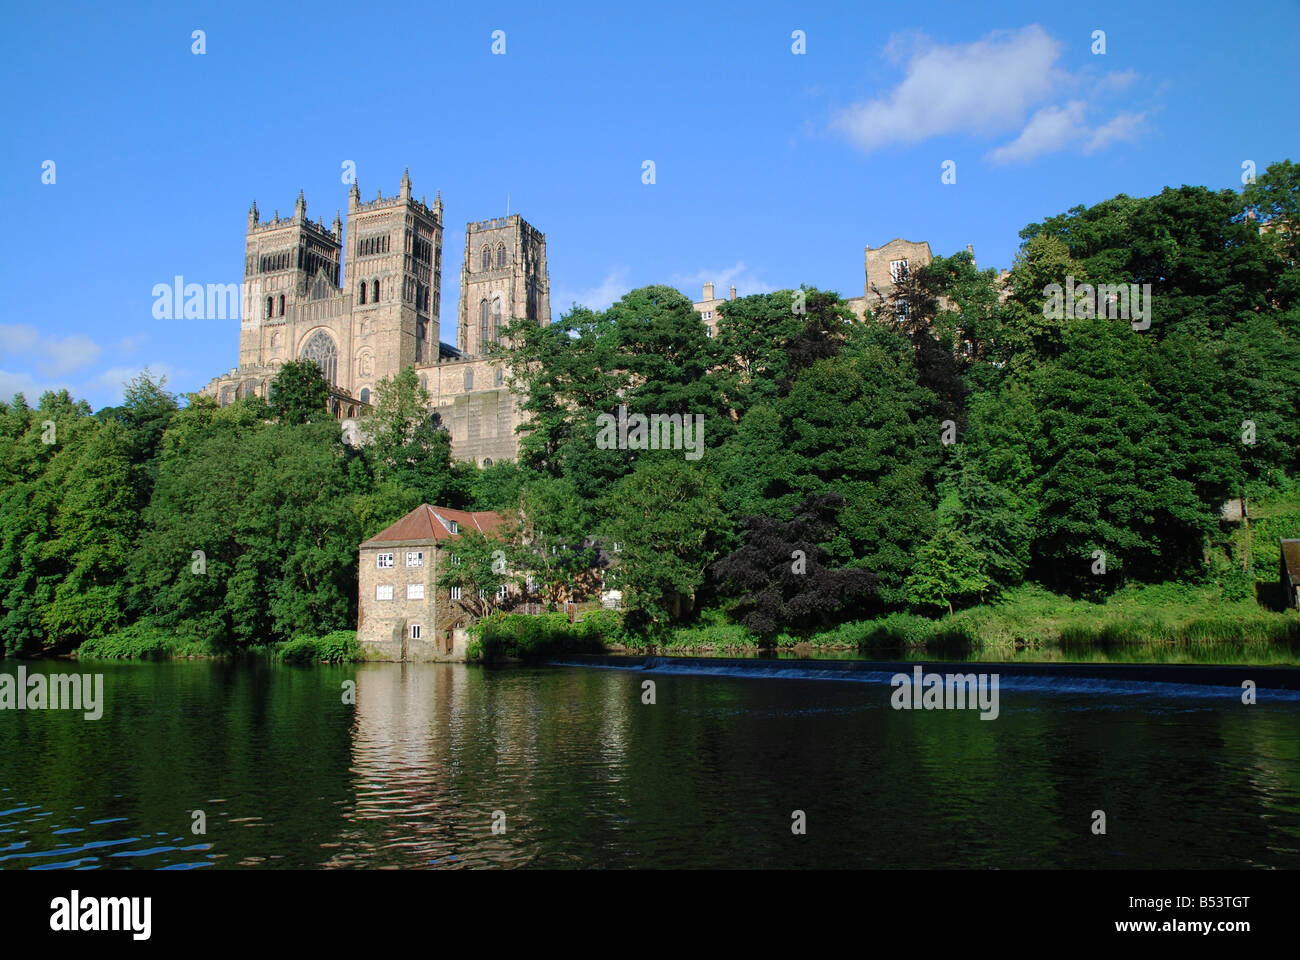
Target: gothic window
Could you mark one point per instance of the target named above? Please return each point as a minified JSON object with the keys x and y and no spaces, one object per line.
{"x":363,"y":293}
{"x":365,"y":394}
{"x":270,"y":307}
{"x":500,"y":377}
{"x":374,"y":290}
{"x":496,"y":320}
{"x":282,"y":304}
{"x":320,"y":350}
{"x":487,"y":257}
{"x":501,"y":255}
{"x":469,"y":379}
{"x":482,"y":323}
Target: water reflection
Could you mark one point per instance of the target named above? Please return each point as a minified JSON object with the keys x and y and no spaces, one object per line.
{"x":416,"y":772}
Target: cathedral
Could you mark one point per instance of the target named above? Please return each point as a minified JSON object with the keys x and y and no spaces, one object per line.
{"x":365,"y":311}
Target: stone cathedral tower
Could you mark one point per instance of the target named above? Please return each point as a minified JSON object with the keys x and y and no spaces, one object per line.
{"x":504,"y":276}
{"x":364,"y":305}
{"x":393,"y":282}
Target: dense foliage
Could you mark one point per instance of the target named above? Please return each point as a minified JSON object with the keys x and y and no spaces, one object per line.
{"x":962,"y":443}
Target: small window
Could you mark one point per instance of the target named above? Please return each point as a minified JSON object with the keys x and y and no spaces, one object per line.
{"x":374,"y":291}
{"x":500,"y":377}
{"x":455,"y":560}
{"x":415,"y":591}
{"x":363,"y":293}
{"x":365,"y":394}
{"x":469,"y":379}
{"x":384,"y":591}
{"x":415,"y":558}
{"x":482,"y":595}
{"x":618,"y":547}
{"x":897,"y":270}
{"x":503,"y":591}
{"x":455,"y":527}
{"x":415,"y":631}
{"x":384,"y":560}
{"x":455,"y":593}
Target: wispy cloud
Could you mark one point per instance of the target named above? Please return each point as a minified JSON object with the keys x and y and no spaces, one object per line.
{"x":981,"y":88}
{"x":1058,"y":128}
{"x":598,"y":297}
{"x":23,"y":345}
{"x":986,"y":89}
{"x":745,"y":281}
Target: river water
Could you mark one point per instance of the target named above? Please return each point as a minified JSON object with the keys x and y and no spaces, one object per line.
{"x":573,"y":769}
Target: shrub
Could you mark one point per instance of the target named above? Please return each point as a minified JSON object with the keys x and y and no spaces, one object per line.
{"x":141,"y":642}
{"x":340,"y":646}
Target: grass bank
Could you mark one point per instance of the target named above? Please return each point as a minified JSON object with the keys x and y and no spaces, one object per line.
{"x":139,"y":642}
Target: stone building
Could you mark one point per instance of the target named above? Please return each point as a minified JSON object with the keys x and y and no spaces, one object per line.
{"x":365,"y":304}
{"x":708,"y":307}
{"x":401,"y":614}
{"x":882,"y":268}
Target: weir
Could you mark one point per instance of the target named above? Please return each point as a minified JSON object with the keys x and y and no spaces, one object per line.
{"x":1160,"y":679}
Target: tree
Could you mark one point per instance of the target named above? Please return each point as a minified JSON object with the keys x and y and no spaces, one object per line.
{"x":665,"y":516}
{"x":407,"y":443}
{"x":1274,"y":200}
{"x":781,"y":574}
{"x":948,"y":571}
{"x":480,"y":565}
{"x":299,"y":393}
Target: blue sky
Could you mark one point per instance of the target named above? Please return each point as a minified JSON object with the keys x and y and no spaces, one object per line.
{"x":772,"y":168}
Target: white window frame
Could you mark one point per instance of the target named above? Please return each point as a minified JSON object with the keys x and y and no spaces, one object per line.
{"x":455,"y":593}
{"x":453,"y":559}
{"x":415,"y":631}
{"x":383,"y":561}
{"x":503,"y":591}
{"x":898,"y":270}
{"x":381,"y":589}
{"x":415,"y":591}
{"x":415,"y":558}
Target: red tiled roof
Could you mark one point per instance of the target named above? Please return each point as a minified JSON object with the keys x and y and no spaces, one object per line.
{"x":423,"y":523}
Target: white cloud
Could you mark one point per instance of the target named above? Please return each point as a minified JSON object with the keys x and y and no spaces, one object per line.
{"x":982,"y":87}
{"x":598,"y":297}
{"x":987,"y":88}
{"x":745,"y":281}
{"x":24,"y":344}
{"x":1059,"y":128}
{"x":1123,"y":126}
{"x":68,"y":354}
{"x":24,"y":383}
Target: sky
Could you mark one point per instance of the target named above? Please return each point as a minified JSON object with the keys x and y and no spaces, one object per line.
{"x":784,"y":139}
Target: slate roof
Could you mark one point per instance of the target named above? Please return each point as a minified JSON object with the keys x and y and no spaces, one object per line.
{"x":426,"y":523}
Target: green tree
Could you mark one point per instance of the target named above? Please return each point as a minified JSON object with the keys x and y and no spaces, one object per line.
{"x":299,"y":393}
